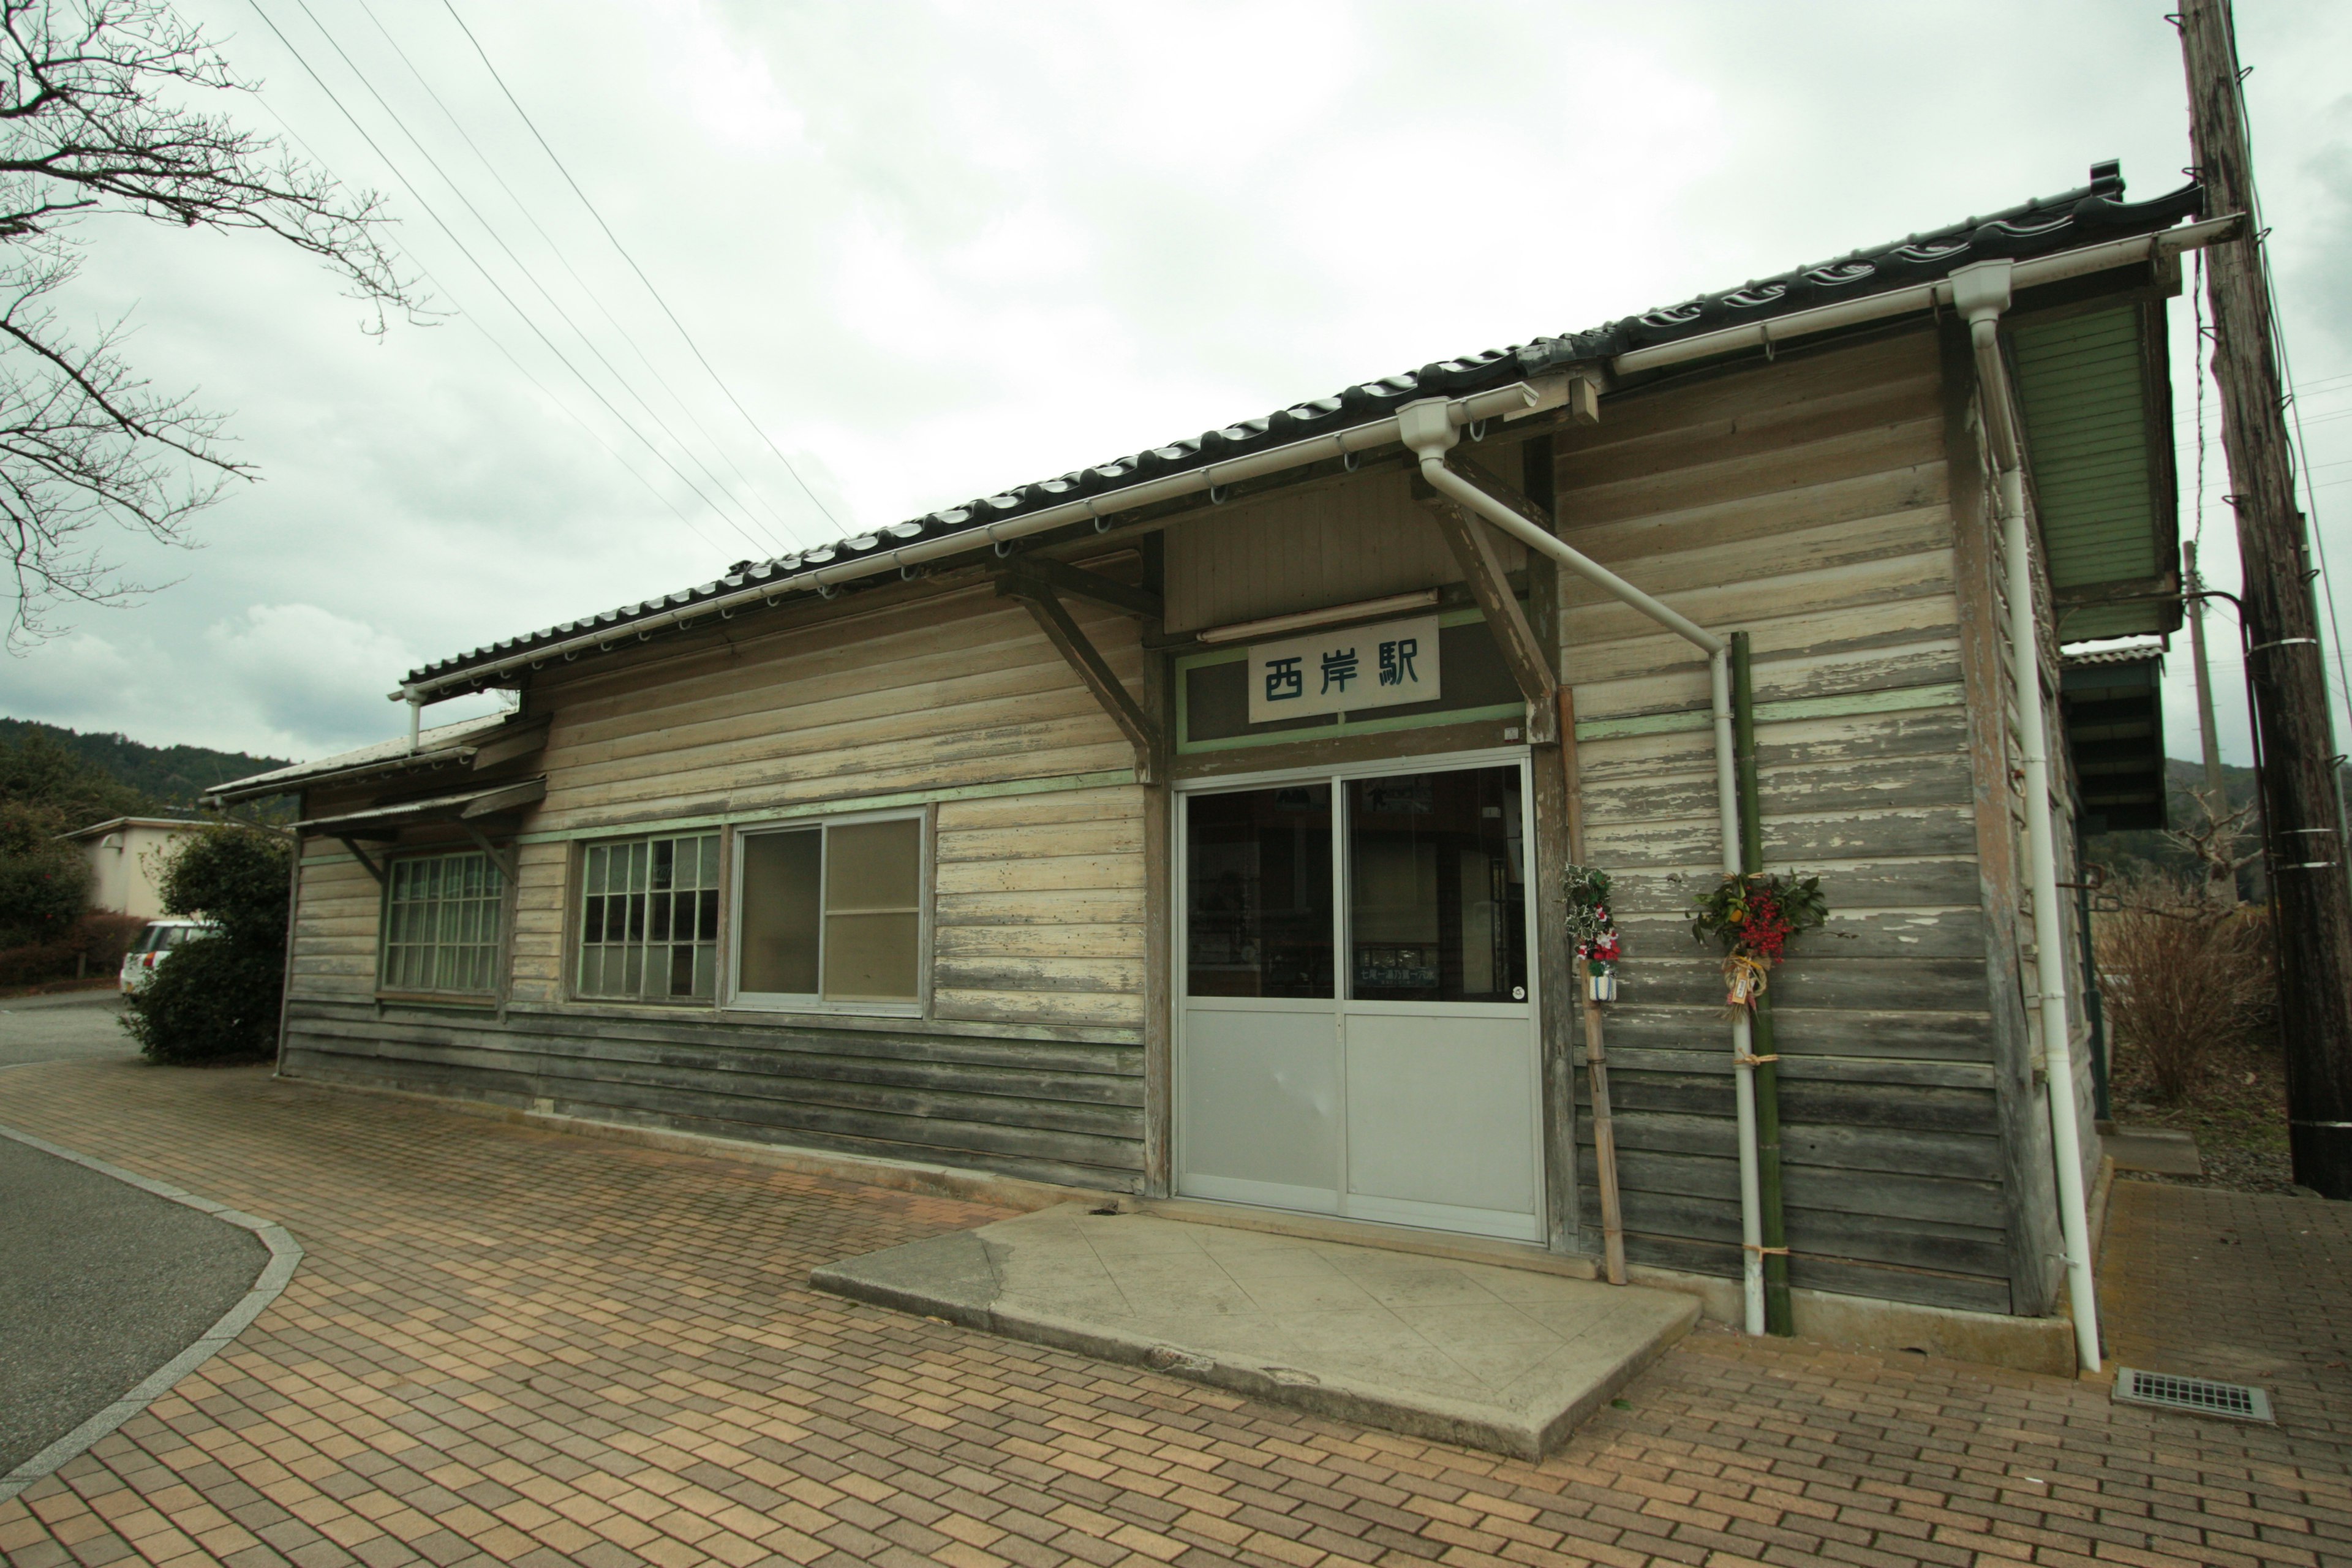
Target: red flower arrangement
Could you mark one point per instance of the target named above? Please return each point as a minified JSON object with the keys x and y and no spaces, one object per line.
{"x":1753,"y":916}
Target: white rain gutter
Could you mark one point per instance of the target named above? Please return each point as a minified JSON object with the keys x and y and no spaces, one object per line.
{"x":2055,"y":268}
{"x":1503,"y":402}
{"x":1430,"y":429}
{"x":1980,"y":293}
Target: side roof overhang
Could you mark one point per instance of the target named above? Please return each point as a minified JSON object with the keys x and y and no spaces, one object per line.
{"x":468,"y":746}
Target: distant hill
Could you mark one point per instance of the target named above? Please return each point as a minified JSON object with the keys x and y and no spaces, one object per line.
{"x":168,"y":776}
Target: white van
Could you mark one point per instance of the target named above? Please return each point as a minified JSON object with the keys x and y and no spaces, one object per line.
{"x":153,"y":946}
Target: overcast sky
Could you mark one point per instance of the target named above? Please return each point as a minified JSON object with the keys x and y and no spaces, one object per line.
{"x":938,"y":249}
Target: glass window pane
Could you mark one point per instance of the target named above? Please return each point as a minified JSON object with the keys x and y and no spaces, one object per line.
{"x":1436,"y":907}
{"x":1258,"y":893}
{"x":873,"y":866}
{"x":777,"y":944}
{"x":871,"y":957}
{"x":710,"y":862}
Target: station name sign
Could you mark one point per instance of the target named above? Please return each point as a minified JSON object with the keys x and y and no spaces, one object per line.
{"x":1344,"y":671}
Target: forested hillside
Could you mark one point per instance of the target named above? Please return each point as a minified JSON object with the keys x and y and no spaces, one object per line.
{"x":167,"y":778}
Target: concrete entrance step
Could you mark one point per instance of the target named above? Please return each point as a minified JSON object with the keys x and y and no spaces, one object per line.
{"x":1491,"y":1357}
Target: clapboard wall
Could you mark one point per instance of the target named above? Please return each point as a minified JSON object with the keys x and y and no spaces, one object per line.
{"x":1810,"y":504}
{"x":1028,"y":1058}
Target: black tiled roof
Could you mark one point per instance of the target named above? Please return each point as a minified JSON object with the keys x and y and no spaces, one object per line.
{"x":2094,"y":213}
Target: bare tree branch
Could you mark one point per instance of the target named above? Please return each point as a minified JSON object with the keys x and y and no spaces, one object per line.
{"x":94,"y":118}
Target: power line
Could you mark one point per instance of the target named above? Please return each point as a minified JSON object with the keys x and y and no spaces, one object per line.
{"x":532,"y":277}
{"x":555,"y":249}
{"x":300,"y":59}
{"x":640,"y":271}
{"x":475,"y":322}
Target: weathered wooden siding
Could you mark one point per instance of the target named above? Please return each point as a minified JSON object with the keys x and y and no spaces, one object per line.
{"x":930,"y":694}
{"x":1029,"y":1057}
{"x":1807,"y":504}
{"x":1329,"y":544}
{"x":1049,"y":1110}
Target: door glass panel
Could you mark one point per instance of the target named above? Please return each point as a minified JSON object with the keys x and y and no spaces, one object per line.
{"x":1258,"y":893}
{"x":1437,"y":901}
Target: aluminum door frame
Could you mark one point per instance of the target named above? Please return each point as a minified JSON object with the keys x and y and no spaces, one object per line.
{"x":1337,"y":774}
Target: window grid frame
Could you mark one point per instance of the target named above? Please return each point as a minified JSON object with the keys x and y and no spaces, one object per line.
{"x":816,"y":1002}
{"x":710,"y":877}
{"x":486,"y":906}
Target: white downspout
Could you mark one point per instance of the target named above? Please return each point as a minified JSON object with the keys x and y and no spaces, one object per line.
{"x":1428,"y":429}
{"x":1980,"y":293}
{"x":415,"y":721}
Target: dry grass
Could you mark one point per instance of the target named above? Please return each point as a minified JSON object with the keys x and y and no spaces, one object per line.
{"x":2183,"y":977}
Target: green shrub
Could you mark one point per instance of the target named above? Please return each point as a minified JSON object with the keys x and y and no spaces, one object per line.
{"x":42,"y":883}
{"x":216,"y":998}
{"x":92,"y":947}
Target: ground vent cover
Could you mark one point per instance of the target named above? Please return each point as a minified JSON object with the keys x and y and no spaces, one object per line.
{"x":2197,"y":1395}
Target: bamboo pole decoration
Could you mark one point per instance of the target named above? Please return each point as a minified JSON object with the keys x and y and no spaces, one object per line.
{"x":1596,"y":1059}
{"x":1777,"y":1317}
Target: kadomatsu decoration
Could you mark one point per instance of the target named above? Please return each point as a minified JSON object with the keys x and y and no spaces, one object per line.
{"x":1753,"y":917}
{"x":1593,"y":929}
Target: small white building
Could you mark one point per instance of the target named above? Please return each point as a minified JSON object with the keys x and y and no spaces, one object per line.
{"x":126,"y":857}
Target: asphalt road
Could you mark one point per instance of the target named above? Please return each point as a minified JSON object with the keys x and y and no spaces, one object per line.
{"x":70,"y":1027}
{"x":101,"y":1283}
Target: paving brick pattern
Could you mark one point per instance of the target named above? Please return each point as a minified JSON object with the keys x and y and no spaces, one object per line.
{"x":521,"y":1347}
{"x":2245,"y":1287}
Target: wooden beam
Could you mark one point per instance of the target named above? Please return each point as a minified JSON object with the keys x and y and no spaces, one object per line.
{"x":516,"y":740}
{"x":361,"y":856}
{"x":1081,"y":583}
{"x":504,"y":860}
{"x":1079,"y":652}
{"x":1473,"y":543}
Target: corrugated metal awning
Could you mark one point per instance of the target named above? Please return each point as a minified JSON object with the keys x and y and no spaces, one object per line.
{"x":469,"y":806}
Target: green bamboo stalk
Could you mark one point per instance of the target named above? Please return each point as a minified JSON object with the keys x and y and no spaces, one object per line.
{"x":1778,"y":1319}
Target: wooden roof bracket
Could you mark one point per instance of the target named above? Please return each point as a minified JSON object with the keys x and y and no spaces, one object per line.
{"x":504,"y":860}
{"x":1472,"y":544}
{"x":359,"y":855}
{"x":1061,"y":577}
{"x":1079,"y":652}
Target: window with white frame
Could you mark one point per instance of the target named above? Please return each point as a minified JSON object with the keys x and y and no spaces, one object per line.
{"x":649,"y":919}
{"x":829,"y":915}
{"x":441,"y":924}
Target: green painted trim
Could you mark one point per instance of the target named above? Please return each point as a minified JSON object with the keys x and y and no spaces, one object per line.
{"x":1106,"y":778}
{"x":1341,"y":724}
{"x":1947,"y":694}
{"x":1359,"y":726}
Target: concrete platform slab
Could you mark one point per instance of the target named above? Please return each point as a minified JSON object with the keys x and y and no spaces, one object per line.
{"x":2160,"y":1151}
{"x":1469,"y":1352}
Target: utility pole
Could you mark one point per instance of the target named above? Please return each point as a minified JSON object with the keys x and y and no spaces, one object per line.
{"x":2215,"y":789}
{"x":2312,"y":900}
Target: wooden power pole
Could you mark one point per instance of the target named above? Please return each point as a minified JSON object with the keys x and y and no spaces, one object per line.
{"x":2311,"y":900}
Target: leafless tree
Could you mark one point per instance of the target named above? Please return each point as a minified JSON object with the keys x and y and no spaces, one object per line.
{"x":102,"y":112}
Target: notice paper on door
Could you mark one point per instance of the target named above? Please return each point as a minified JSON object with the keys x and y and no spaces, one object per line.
{"x":1342,"y":671}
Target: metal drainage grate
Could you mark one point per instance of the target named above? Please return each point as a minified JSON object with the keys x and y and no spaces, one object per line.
{"x":2198,"y":1395}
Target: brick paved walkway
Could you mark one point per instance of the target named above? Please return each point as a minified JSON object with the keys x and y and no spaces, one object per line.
{"x":511,"y":1346}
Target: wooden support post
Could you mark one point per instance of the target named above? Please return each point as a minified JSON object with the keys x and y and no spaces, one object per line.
{"x":2287,"y":669}
{"x":1472,"y":544}
{"x":1078,"y":651}
{"x":1160,"y":873}
{"x":502,"y":858}
{"x":1596,"y":1059}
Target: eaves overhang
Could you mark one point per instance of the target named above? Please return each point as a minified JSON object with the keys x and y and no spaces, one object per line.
{"x":2044,"y":227}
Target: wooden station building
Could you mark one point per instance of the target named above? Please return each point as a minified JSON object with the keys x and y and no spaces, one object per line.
{"x":1194,"y":824}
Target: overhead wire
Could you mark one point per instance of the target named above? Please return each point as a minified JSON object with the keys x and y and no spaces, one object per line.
{"x":556,"y":248}
{"x":488,"y":277}
{"x":687,"y":336}
{"x":474,"y":320}
{"x":2299,"y":453}
{"x":532,"y":277}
